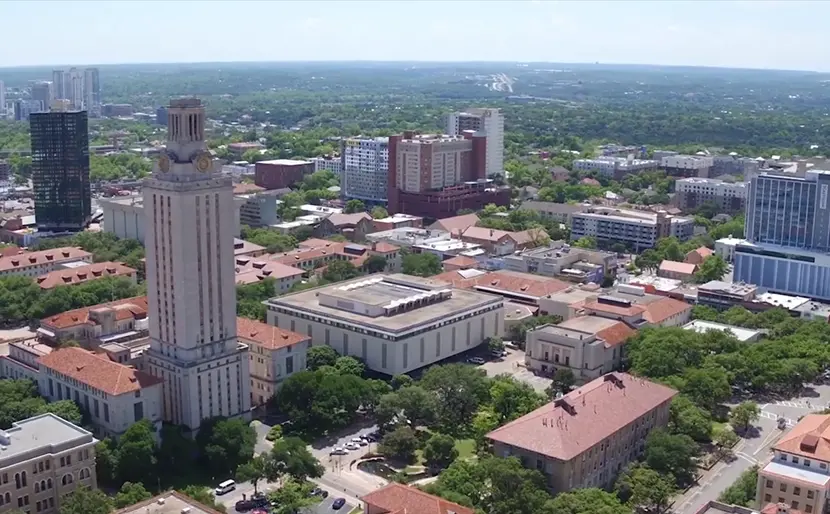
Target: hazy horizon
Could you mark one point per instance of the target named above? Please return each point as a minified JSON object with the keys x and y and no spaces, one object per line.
{"x":770,"y":35}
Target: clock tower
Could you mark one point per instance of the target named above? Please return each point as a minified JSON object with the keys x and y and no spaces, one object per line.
{"x":191,"y":292}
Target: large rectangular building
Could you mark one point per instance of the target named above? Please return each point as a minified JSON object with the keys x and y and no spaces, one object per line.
{"x":586,"y":437}
{"x":491,"y":123}
{"x":691,"y":193}
{"x":365,"y":163}
{"x":280,"y":173}
{"x":43,"y":459}
{"x":615,"y":167}
{"x":788,"y":234}
{"x":636,"y":229}
{"x":394,"y":323}
{"x":60,"y":170}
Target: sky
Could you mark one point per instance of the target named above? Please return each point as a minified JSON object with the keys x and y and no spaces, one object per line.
{"x":758,"y":34}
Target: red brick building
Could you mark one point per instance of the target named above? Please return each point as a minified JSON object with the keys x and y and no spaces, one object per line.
{"x":436,"y":176}
{"x":280,"y":173}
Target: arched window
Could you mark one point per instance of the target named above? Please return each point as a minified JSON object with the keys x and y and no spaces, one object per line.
{"x":67,"y":479}
{"x":8,"y":498}
{"x":37,"y":487}
{"x":23,"y":478}
{"x":49,"y":483}
{"x":43,"y":485}
{"x":17,"y":480}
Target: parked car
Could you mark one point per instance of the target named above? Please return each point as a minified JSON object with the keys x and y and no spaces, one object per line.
{"x":498,"y":353}
{"x":244,"y":506}
{"x":225,"y":487}
{"x":322,"y":493}
{"x":476,"y":360}
{"x":511,"y":344}
{"x":338,"y":503}
{"x":339,"y":451}
{"x":352,"y":446}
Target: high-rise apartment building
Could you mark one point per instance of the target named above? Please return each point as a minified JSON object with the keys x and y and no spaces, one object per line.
{"x":491,"y":123}
{"x":81,"y":87}
{"x":190,"y":278}
{"x":92,"y":92}
{"x":60,"y":170}
{"x":435,"y":176}
{"x":788,"y":234}
{"x":42,"y":92}
{"x":694,"y":192}
{"x":2,"y":98}
{"x":365,"y":168}
{"x":22,"y":109}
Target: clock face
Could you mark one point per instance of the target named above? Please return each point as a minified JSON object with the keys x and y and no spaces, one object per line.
{"x":203,"y":162}
{"x":164,"y":163}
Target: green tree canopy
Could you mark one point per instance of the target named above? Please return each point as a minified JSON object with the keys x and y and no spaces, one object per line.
{"x":421,"y":264}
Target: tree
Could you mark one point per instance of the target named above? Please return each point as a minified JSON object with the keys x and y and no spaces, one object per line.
{"x":292,"y":497}
{"x":495,"y":344}
{"x":338,"y":271}
{"x":66,"y":409}
{"x":645,"y":489}
{"x":379,"y":213}
{"x":84,"y":500}
{"x":375,"y":264}
{"x":130,"y":494}
{"x":348,"y":365}
{"x":563,"y":381}
{"x":687,"y":418}
{"x":744,"y":414}
{"x":137,"y":453}
{"x":254,"y":470}
{"x":421,"y":264}
{"x":106,"y":462}
{"x":274,"y":433}
{"x":511,"y":398}
{"x":726,"y":438}
{"x":177,"y":451}
{"x":742,"y":491}
{"x":399,"y":381}
{"x":319,"y":356}
{"x":225,"y":444}
{"x":588,"y":242}
{"x":440,"y":451}
{"x":712,"y":268}
{"x":290,"y":456}
{"x":707,"y":387}
{"x":399,"y":444}
{"x":672,"y":454}
{"x":353,"y":206}
{"x":586,"y":501}
{"x":460,"y":391}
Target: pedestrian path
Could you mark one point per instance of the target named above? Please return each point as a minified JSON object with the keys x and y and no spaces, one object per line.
{"x":773,"y":416}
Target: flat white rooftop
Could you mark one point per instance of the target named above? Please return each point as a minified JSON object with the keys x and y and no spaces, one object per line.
{"x":797,"y":473}
{"x":40,"y":435}
{"x":742,"y":334}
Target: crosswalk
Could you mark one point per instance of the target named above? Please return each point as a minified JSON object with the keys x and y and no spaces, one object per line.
{"x":773,"y":416}
{"x":796,"y":405}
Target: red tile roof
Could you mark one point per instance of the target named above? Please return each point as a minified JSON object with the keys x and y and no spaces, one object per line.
{"x":241,"y":189}
{"x":684,"y":268}
{"x":485,"y":234}
{"x":565,"y":428}
{"x":508,"y":282}
{"x":8,"y":251}
{"x":341,"y":220}
{"x":71,"y":276}
{"x":456,"y":224}
{"x":135,"y":307}
{"x":460,"y":261}
{"x":616,"y":334}
{"x":254,"y":269}
{"x":701,"y":252}
{"x":24,"y":260}
{"x":663,"y":309}
{"x":97,"y":371}
{"x":532,"y":235}
{"x":397,"y":498}
{"x":269,"y":336}
{"x":810,"y":438}
{"x":384,"y":247}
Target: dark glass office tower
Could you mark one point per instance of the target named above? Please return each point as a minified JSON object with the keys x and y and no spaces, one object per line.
{"x":60,"y":170}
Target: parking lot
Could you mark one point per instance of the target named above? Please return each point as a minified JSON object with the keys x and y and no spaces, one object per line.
{"x":513,"y":365}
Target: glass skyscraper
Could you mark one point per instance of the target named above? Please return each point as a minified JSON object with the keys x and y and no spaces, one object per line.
{"x":788,"y":229}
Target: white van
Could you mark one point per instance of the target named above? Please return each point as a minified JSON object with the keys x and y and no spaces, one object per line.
{"x":225,"y":487}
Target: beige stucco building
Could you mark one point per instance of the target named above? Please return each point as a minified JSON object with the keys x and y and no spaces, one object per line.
{"x":44,"y":458}
{"x":395,"y":323}
{"x":276,"y":354}
{"x":798,"y":473}
{"x":588,"y":345}
{"x":586,"y":437}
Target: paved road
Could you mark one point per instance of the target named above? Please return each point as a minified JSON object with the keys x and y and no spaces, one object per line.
{"x":756,"y":449}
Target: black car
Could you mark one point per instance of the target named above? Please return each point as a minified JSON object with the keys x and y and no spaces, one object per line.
{"x":319,"y":492}
{"x":255,"y":502}
{"x":338,"y":503}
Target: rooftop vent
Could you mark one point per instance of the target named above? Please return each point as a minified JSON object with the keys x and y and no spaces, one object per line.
{"x":809,"y":443}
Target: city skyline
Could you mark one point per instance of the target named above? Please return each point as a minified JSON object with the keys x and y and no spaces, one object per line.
{"x":720,"y":34}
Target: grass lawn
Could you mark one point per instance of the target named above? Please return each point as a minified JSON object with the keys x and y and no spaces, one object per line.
{"x":466,"y":448}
